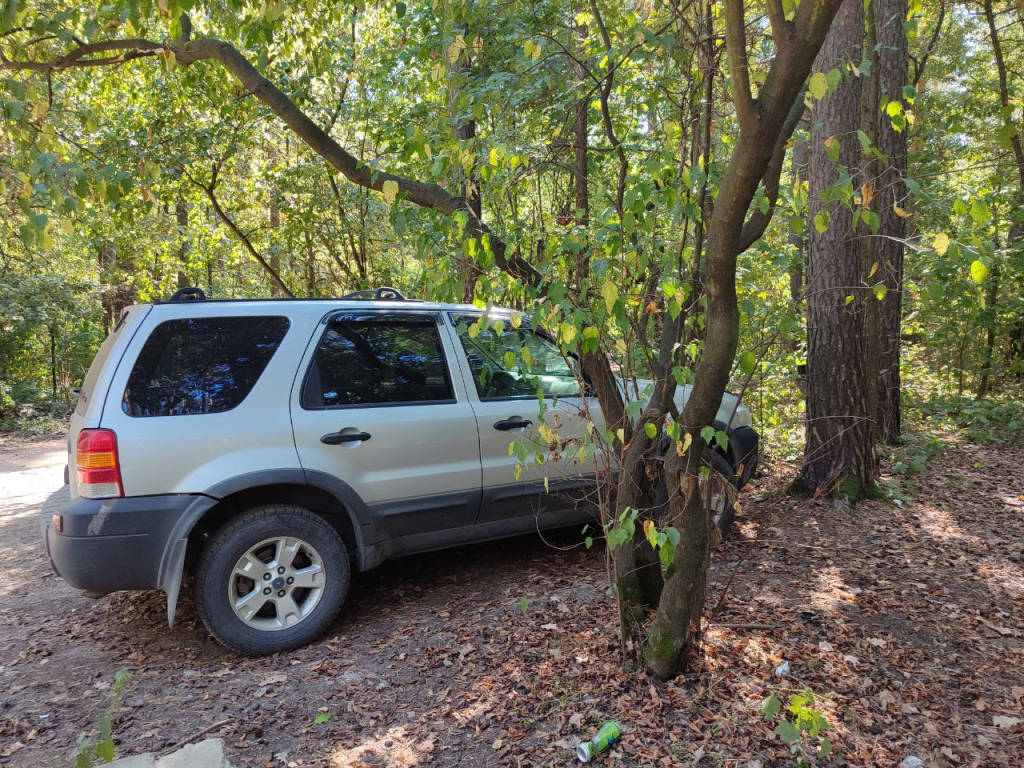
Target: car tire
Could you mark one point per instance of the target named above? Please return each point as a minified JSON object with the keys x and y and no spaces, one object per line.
{"x":721,"y":466}
{"x":273,"y":579}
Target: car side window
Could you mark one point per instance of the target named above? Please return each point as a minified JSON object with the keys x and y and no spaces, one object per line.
{"x":363,"y":360}
{"x":201,"y":365}
{"x":515,"y":363}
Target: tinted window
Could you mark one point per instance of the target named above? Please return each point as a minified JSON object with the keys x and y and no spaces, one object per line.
{"x":516,"y":363}
{"x":201,"y":365}
{"x":377,"y":360}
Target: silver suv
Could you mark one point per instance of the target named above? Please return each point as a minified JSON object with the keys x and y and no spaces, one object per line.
{"x":267,"y":447}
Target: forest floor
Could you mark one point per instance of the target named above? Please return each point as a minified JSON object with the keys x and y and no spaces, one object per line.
{"x":906,"y":621}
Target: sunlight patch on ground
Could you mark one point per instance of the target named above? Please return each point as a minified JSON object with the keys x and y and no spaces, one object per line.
{"x":397,"y":747}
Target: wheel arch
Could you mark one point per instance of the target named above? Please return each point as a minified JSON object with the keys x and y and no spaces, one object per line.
{"x":320,"y":493}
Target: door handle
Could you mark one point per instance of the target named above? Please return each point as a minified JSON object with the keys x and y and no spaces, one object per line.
{"x":506,"y":424}
{"x":337,"y":438}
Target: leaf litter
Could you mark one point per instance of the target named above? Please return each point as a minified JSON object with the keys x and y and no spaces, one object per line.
{"x":905,"y":622}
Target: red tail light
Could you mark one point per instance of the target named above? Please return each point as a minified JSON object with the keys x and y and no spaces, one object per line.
{"x":99,"y":472}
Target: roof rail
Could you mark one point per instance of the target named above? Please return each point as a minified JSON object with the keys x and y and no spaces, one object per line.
{"x":188,"y":294}
{"x":384,"y":293}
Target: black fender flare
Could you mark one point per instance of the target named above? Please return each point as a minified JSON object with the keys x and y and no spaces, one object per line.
{"x":172,"y":564}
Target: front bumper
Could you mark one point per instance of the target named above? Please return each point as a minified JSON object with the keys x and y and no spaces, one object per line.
{"x":112,"y":544}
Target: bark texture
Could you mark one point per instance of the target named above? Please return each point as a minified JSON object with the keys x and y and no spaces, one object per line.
{"x":839,"y":452}
{"x":893,"y":75}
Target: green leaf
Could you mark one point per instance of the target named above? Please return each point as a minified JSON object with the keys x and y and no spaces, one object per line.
{"x":979,"y":271}
{"x":770,"y":707}
{"x":651,"y":430}
{"x":825,"y":749}
{"x":880,"y":290}
{"x":321,"y":718}
{"x":821,"y":221}
{"x":787,"y":732}
{"x":980,"y":211}
{"x":748,"y":361}
{"x":524,"y":605}
{"x":400,"y":9}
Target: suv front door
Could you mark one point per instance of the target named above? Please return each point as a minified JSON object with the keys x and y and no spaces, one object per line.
{"x":377,"y":406}
{"x":513,"y":374}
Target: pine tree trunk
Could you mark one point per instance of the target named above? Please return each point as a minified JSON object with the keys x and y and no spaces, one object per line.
{"x":839,"y":453}
{"x":893,"y":76}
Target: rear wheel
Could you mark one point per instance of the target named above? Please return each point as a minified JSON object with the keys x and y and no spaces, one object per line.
{"x":724,"y":491}
{"x":272,"y":579}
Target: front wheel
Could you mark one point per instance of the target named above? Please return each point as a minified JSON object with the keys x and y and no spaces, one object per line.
{"x":272,"y":579}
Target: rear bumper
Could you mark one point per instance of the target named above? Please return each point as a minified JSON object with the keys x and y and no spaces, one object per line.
{"x":112,"y":544}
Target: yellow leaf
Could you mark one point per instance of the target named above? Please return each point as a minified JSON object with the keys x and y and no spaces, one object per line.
{"x":170,"y":60}
{"x":867,"y":193}
{"x":546,"y":434}
{"x":390,"y":190}
{"x":941,"y":243}
{"x":536,"y":51}
{"x":456,"y":48}
{"x":437,"y":72}
{"x":874,"y":268}
{"x":516,"y":319}
{"x":683,"y":445}
{"x":568,"y":333}
{"x":428,"y":151}
{"x":648,"y":525}
{"x":900,"y":212}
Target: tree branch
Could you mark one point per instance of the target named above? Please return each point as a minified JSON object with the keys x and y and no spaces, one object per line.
{"x":275,"y":278}
{"x":739,"y":67}
{"x":781,"y":29}
{"x":758,"y":221}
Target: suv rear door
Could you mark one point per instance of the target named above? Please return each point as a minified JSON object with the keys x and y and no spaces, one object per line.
{"x":378,"y":406}
{"x":503,"y":389}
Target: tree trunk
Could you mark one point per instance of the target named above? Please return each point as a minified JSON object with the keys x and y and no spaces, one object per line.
{"x":868,"y":241}
{"x":798,"y":240}
{"x":181,"y":216}
{"x":991,"y":321}
{"x":892,"y":76}
{"x":839,"y":452}
{"x":276,"y":289}
{"x":766,"y":125}
{"x":465,"y":131}
{"x":580,"y":167}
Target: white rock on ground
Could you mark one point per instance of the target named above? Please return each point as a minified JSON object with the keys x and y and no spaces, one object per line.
{"x":208,"y":753}
{"x":912,"y":762}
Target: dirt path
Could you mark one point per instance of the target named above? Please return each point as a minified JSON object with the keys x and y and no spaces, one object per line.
{"x":906,"y":622}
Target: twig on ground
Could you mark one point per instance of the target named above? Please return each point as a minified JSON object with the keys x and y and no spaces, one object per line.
{"x":194,"y":736}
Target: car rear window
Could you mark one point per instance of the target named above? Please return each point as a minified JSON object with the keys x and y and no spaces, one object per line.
{"x":367,"y":361}
{"x":201,"y":365}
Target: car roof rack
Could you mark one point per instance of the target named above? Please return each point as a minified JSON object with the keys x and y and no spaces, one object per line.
{"x":384,"y":293}
{"x":188,"y":294}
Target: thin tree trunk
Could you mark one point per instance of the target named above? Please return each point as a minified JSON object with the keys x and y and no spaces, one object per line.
{"x":868,"y":240}
{"x":181,"y":216}
{"x":276,"y":286}
{"x":992,"y":320}
{"x":893,"y":73}
{"x":839,"y":452}
{"x":798,"y":240}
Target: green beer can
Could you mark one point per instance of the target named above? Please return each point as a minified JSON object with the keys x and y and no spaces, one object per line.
{"x":606,"y":736}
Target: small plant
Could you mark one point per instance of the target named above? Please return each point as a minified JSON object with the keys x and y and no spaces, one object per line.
{"x":102,"y":747}
{"x":801,"y":728}
{"x":322,"y":718}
